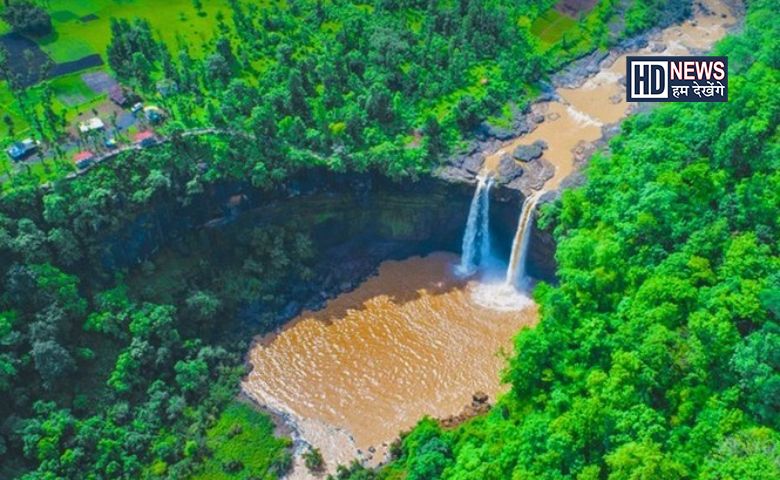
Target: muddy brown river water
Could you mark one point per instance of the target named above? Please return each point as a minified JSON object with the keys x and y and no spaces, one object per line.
{"x":406,"y":343}
{"x":412,"y":341}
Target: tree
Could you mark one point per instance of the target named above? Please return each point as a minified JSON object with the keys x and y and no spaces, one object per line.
{"x":757,"y":362}
{"x":26,"y":17}
{"x":52,"y":362}
{"x":203,"y":305}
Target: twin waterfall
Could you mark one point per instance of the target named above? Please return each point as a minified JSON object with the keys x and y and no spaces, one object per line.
{"x":476,"y":238}
{"x":477,"y":231}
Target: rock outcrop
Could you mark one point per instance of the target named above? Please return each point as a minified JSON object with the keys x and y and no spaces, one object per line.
{"x":479,"y":405}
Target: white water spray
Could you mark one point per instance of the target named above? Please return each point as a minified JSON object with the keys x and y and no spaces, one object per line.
{"x":510,"y":294}
{"x":477,"y":231}
{"x":582,"y":118}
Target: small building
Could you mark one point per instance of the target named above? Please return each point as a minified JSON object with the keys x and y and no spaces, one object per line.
{"x":122,"y":95}
{"x":136,"y":107}
{"x":21,"y":150}
{"x":92,"y":125}
{"x":83,"y":159}
{"x":145,"y":138}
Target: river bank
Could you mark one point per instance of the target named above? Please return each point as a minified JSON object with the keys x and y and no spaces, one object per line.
{"x":583,"y":105}
{"x":348,"y":377}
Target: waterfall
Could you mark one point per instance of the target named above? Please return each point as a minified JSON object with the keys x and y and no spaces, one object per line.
{"x":484,"y":227}
{"x":515,"y":272}
{"x":476,"y":227}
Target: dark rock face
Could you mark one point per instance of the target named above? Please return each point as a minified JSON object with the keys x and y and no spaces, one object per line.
{"x":576,"y":72}
{"x":480,"y":404}
{"x":526,"y":153}
{"x":485,"y":131}
{"x":541,"y":254}
{"x":508,"y":170}
{"x":463,"y":167}
{"x":535,"y":175}
{"x":354,"y":221}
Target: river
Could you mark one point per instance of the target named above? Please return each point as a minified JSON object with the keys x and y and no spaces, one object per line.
{"x":406,"y":343}
{"x":413,"y":340}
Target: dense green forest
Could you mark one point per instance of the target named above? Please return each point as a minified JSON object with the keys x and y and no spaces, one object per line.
{"x":654,"y":352}
{"x":390,"y":85}
{"x":657,"y":355}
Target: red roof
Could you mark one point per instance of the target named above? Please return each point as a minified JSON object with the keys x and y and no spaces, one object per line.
{"x":81,"y":156}
{"x":145,"y":135}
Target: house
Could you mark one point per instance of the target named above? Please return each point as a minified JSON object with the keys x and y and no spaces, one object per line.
{"x":21,"y":150}
{"x":83,"y":159}
{"x":145,"y":138}
{"x":154,"y":114}
{"x":122,"y":96}
{"x":91,"y":125}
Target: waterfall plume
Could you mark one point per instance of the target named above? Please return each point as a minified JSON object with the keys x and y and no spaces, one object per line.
{"x":476,"y":238}
{"x":515,"y":272}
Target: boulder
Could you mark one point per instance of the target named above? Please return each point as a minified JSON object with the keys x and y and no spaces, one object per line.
{"x":289,"y":311}
{"x":526,"y":153}
{"x":472,"y":163}
{"x":479,"y":397}
{"x":657,"y":47}
{"x":508,"y":170}
{"x":534,"y":177}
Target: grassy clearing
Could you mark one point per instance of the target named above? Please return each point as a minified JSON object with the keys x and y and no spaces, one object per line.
{"x":246,"y":435}
{"x":45,"y":171}
{"x":71,"y":95}
{"x":175,"y":21}
{"x":551,"y":26}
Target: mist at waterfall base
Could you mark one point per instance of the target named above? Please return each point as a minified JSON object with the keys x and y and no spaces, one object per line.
{"x":499,"y":285}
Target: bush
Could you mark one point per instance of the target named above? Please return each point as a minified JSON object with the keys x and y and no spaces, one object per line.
{"x":313,"y":459}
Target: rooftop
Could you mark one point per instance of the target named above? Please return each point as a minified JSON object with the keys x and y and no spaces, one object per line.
{"x":145,"y":135}
{"x":93,"y":123}
{"x":84,"y":155}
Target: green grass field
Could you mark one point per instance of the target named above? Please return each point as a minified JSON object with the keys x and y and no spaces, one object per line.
{"x":71,"y":95}
{"x":174,"y":21}
{"x":243,"y":434}
{"x":552,"y":25}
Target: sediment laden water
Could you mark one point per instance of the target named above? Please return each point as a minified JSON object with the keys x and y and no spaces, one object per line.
{"x":406,"y":343}
{"x":414,"y":340}
{"x":576,"y":117}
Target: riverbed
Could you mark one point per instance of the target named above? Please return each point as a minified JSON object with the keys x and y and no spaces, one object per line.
{"x":412,"y":341}
{"x":406,"y":343}
{"x":574,"y":119}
